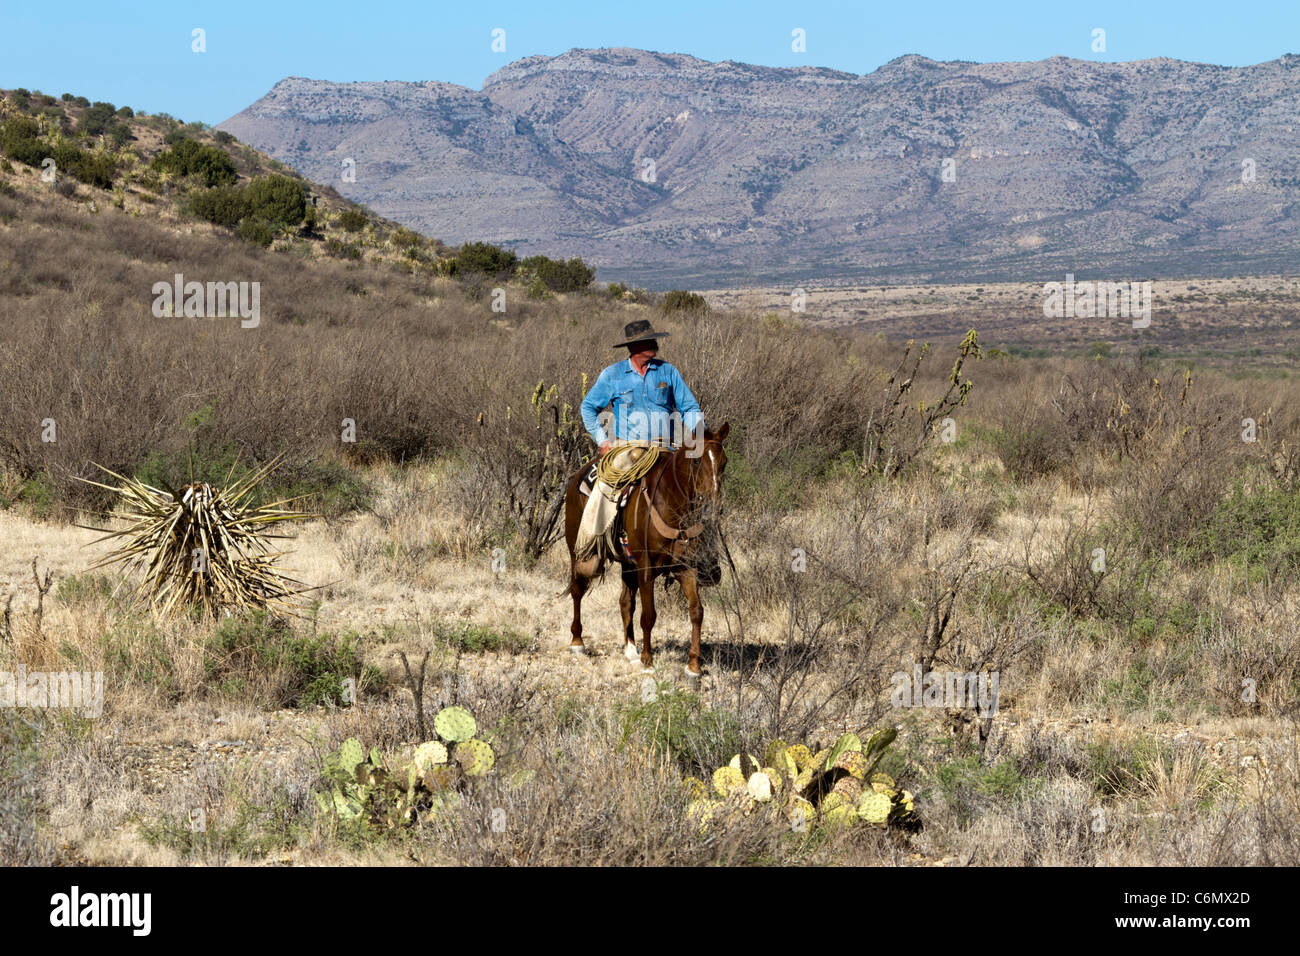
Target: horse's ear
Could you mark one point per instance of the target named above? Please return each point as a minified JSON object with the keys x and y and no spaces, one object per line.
{"x":722,"y":432}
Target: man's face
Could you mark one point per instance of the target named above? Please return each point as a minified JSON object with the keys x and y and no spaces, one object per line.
{"x":643,"y":350}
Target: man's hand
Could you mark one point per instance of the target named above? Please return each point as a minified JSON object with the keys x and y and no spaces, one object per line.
{"x":604,"y":447}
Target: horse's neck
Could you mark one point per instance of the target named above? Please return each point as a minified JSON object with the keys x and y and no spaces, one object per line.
{"x":676,"y":471}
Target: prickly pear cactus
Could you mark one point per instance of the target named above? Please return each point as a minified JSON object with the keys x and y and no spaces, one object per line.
{"x":476,"y":757}
{"x":801,"y":756}
{"x":846,"y":743}
{"x":428,"y":754}
{"x":726,"y":779}
{"x":351,"y":754}
{"x":874,"y":808}
{"x":368,"y":789}
{"x":455,"y":724}
{"x":835,"y":786}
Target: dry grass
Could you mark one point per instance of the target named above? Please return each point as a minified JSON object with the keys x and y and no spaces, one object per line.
{"x":1159,"y":692}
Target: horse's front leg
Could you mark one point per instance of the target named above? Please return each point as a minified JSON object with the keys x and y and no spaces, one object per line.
{"x":646,"y":582}
{"x":691,"y":589}
{"x":578,"y":585}
{"x":627,"y":605}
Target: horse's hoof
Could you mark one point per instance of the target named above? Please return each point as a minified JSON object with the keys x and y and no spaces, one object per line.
{"x":647,"y":668}
{"x":630,"y":652}
{"x":691,"y":674}
{"x":577,"y":650}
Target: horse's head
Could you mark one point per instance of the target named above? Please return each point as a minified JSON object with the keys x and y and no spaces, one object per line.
{"x":708,"y":467}
{"x":707,"y":471}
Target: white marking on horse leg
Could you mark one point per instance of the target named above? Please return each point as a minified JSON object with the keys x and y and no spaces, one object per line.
{"x":577,"y":650}
{"x":690,"y":673}
{"x":630,"y":651}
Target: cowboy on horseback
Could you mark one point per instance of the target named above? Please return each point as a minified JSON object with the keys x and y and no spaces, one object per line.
{"x":647,"y":501}
{"x":651,"y":406}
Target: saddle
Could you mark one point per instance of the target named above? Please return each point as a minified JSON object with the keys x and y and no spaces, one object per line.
{"x":602,"y":528}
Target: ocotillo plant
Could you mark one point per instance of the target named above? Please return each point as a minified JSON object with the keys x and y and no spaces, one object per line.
{"x":200,"y":546}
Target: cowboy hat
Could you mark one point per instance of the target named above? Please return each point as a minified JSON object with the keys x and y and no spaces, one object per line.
{"x":639,"y":331}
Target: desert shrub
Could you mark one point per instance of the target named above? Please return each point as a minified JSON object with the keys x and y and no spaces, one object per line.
{"x":80,"y":101}
{"x":222,"y":137}
{"x":1030,"y":450}
{"x":190,"y":158}
{"x":223,"y":205}
{"x":256,"y":652}
{"x":557,"y":275}
{"x":276,"y":199}
{"x":477,"y":638}
{"x":676,"y":724}
{"x":20,"y":140}
{"x":125,"y":112}
{"x":353,"y":220}
{"x":92,"y":168}
{"x":1259,"y":528}
{"x":482,"y":257}
{"x":679,"y":300}
{"x":96,"y":120}
{"x":404,"y":238}
{"x":343,"y":250}
{"x":257,"y":231}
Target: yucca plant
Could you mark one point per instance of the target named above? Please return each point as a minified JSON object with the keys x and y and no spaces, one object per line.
{"x":201,"y":546}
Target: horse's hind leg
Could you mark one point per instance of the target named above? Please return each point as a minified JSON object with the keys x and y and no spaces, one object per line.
{"x":627,"y":605}
{"x":578,"y":585}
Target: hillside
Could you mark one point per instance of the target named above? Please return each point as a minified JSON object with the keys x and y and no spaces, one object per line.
{"x":785,"y":176}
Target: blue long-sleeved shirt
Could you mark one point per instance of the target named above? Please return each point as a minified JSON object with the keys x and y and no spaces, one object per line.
{"x":643,"y":406}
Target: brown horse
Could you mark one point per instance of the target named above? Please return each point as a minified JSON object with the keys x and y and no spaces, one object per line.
{"x":670,"y":522}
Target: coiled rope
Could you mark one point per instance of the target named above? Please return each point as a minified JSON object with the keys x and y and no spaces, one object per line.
{"x":617,"y":477}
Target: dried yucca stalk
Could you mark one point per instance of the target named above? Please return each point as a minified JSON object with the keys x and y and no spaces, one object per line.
{"x":200,"y":546}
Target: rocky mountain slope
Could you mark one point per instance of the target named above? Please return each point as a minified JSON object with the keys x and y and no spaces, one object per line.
{"x":667,"y":169}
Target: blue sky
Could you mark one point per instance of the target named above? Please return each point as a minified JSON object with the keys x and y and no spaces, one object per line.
{"x":139,"y":53}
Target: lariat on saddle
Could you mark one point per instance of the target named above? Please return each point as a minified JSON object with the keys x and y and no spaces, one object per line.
{"x":643,"y":456}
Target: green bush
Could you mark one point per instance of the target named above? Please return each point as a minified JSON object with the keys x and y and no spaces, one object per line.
{"x":676,"y":723}
{"x":257,"y":231}
{"x":276,"y":199}
{"x":95,"y":121}
{"x":256,"y":649}
{"x":190,"y":158}
{"x":20,"y":140}
{"x":1259,"y":529}
{"x":223,"y":205}
{"x":679,"y":300}
{"x":353,"y":220}
{"x":476,"y":638}
{"x":484,"y":258}
{"x":557,"y":275}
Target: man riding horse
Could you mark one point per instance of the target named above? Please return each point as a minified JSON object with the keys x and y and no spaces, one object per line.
{"x":655,"y":487}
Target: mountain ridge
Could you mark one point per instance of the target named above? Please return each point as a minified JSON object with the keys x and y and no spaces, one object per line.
{"x":663,"y":168}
